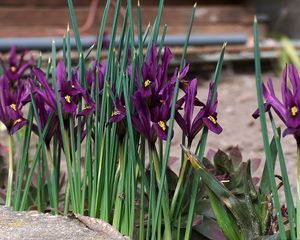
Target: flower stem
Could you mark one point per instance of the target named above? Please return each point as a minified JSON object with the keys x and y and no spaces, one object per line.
{"x":298,"y":189}
{"x":165,"y":206}
{"x":178,"y":186}
{"x":10,"y":171}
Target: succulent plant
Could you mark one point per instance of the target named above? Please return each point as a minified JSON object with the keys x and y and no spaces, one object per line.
{"x":241,"y":205}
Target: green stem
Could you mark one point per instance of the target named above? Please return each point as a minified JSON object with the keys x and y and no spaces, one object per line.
{"x":298,"y":189}
{"x":166,"y":212}
{"x":178,"y":186}
{"x":67,"y":199}
{"x":10,"y":171}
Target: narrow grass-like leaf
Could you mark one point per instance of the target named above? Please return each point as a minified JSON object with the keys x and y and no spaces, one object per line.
{"x":171,"y":125}
{"x":101,"y":31}
{"x":87,"y":52}
{"x":34,"y":162}
{"x":156,"y":26}
{"x":265,"y":131}
{"x":265,"y":186}
{"x":225,"y":221}
{"x":162,"y":41}
{"x":24,"y":159}
{"x":285,"y":179}
{"x":63,"y":133}
{"x":202,"y":145}
{"x":75,"y":26}
{"x":122,"y":36}
{"x":51,"y":192}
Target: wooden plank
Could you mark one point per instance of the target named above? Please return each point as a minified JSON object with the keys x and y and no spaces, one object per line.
{"x":46,"y":21}
{"x":48,"y":30}
{"x":59,"y":16}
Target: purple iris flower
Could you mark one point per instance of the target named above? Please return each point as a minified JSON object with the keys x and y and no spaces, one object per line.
{"x":206,"y":116}
{"x":90,"y":105}
{"x":142,"y":120}
{"x":91,"y":77}
{"x":208,"y":113}
{"x":10,"y":107}
{"x":288,"y":109}
{"x":118,"y":114}
{"x":151,"y":122}
{"x":69,"y":91}
{"x":44,"y":113}
{"x":120,"y":111}
{"x":154,"y":75}
{"x":16,"y":65}
{"x":152,"y":100}
{"x":183,"y":83}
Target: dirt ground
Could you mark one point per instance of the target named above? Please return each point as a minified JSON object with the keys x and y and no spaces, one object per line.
{"x":237,"y":102}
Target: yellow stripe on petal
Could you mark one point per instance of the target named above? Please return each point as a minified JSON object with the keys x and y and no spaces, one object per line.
{"x":116,"y":113}
{"x":147,"y":83}
{"x":211,"y":118}
{"x":162,"y":125}
{"x":68,"y":98}
{"x":14,"y":107}
{"x":18,"y":121}
{"x":294,"y":111}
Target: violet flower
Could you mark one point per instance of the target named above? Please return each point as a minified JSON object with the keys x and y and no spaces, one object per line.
{"x":16,"y":65}
{"x":69,"y":91}
{"x":207,"y":115}
{"x":150,"y":122}
{"x":91,"y":77}
{"x":119,"y":113}
{"x":288,"y":109}
{"x":154,"y":75}
{"x":89,"y":107}
{"x":10,"y":108}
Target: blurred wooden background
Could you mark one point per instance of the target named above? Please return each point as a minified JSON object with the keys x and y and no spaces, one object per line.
{"x":37,"y":18}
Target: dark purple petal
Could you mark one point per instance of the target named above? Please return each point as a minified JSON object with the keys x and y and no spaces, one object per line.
{"x":180,"y":121}
{"x":13,"y":56}
{"x":212,"y":125}
{"x":153,"y":55}
{"x":139,"y":126}
{"x":184,"y":71}
{"x":272,"y":100}
{"x":161,"y":130}
{"x":23,"y":67}
{"x":17,"y":124}
{"x":295,"y":80}
{"x":180,"y":102}
{"x":61,"y":74}
{"x":117,"y":117}
{"x":287,"y":95}
{"x":189,"y":104}
{"x":267,"y":107}
{"x":68,"y":105}
{"x":292,"y":121}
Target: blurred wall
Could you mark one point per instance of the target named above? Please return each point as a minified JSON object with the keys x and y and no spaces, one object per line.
{"x":283,"y":16}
